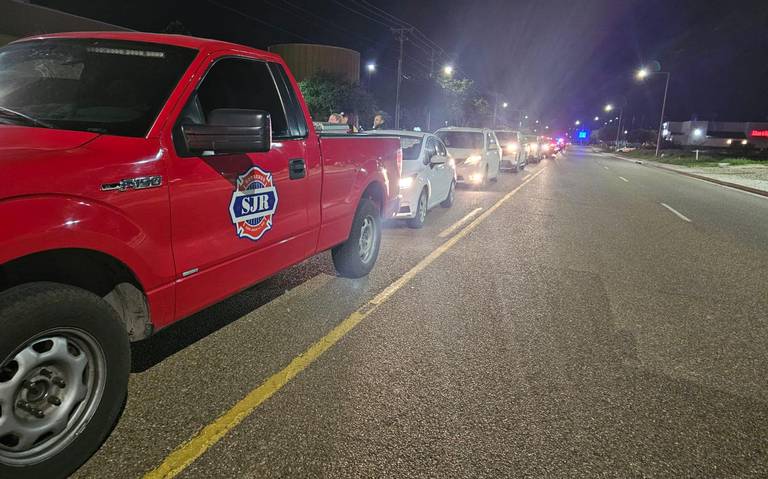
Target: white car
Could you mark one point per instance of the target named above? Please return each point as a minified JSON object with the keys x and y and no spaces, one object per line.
{"x":428,"y":177}
{"x":513,"y":156}
{"x":476,"y":152}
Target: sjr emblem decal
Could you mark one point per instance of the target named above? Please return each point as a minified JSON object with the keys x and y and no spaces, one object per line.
{"x":253,"y":204}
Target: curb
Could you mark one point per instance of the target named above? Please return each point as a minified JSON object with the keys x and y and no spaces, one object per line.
{"x":736,"y":186}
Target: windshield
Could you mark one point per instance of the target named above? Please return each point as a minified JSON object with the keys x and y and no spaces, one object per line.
{"x":462,"y":139}
{"x":104,"y":86}
{"x":411,"y":147}
{"x":506,"y":136}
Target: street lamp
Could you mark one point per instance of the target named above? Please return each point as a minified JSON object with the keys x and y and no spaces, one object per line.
{"x":609,"y":107}
{"x":642,"y":74}
{"x":504,"y":105}
{"x":597,"y":118}
{"x":448,"y":70}
{"x":577,"y":122}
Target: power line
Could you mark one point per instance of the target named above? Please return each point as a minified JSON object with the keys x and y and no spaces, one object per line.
{"x":258,"y":20}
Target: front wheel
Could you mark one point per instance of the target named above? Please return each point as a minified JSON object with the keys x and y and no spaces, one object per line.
{"x":355,"y":257}
{"x":421,"y":211}
{"x":64,"y":364}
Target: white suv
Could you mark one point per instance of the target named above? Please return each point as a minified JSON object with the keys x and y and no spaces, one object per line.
{"x":428,"y":178}
{"x":476,"y":152}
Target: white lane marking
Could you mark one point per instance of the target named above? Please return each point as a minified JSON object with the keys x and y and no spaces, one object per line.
{"x":526,"y":176}
{"x":458,"y":224}
{"x":605,"y":167}
{"x":623,"y":179}
{"x":680,"y":215}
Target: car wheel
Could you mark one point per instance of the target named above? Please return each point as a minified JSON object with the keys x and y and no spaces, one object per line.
{"x":448,"y":201}
{"x":355,"y":257}
{"x":421,"y":211}
{"x":64,"y":364}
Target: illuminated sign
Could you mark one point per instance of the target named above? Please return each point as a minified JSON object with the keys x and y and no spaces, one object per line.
{"x":582,"y":134}
{"x":763,"y":133}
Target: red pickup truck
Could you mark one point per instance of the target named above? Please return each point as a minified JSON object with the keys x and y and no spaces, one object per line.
{"x":145,"y":177}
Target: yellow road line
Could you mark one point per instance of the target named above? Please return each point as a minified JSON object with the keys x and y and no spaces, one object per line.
{"x":191,"y":450}
{"x":456,"y":225}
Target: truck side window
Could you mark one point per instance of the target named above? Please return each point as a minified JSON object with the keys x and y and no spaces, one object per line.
{"x":241,"y":83}
{"x":297,"y":123}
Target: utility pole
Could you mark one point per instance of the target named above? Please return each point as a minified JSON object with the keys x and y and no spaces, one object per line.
{"x":399,"y":35}
{"x":429,"y":98}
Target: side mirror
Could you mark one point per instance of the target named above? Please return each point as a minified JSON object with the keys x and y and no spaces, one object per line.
{"x":230,"y":130}
{"x":437,"y":159}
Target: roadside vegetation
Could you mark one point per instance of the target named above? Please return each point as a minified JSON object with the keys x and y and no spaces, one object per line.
{"x":686,"y":158}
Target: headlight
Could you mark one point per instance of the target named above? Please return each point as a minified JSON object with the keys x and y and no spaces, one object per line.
{"x":512,"y":147}
{"x":473,"y":160}
{"x":406,"y":182}
{"x":476,"y":178}
{"x":534,"y":147}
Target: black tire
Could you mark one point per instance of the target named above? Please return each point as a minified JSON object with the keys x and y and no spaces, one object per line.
{"x":422,"y":209}
{"x":33,"y":311}
{"x":347,"y":257}
{"x":448,"y":202}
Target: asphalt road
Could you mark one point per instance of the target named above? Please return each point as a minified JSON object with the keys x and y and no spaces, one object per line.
{"x":581,"y":329}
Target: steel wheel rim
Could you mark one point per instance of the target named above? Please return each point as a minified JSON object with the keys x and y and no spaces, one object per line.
{"x":367,"y":239}
{"x":60,"y":374}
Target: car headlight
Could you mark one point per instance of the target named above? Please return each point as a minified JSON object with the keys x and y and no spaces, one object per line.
{"x":473,"y":160}
{"x":406,"y":182}
{"x":512,"y":147}
{"x":534,"y":147}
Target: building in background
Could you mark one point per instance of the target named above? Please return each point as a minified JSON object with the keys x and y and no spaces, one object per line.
{"x":21,"y":19}
{"x":306,"y":59}
{"x":718,"y":134}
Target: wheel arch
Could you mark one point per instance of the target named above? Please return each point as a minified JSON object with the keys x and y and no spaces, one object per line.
{"x":94,"y":271}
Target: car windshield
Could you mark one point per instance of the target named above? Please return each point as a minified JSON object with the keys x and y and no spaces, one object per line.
{"x":411,"y":147}
{"x":104,"y":86}
{"x":461,"y":139}
{"x":506,"y":136}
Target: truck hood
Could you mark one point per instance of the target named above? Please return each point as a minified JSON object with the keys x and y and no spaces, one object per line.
{"x":22,"y":143}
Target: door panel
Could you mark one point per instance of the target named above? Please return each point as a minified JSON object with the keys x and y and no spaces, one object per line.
{"x":237,"y":218}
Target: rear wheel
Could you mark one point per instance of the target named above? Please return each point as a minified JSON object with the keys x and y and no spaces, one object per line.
{"x":355,"y":257}
{"x":448,"y":201}
{"x":421,"y":211}
{"x":64,"y":364}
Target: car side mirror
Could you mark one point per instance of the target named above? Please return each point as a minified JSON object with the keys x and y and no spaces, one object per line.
{"x":437,"y":159}
{"x":230,"y":130}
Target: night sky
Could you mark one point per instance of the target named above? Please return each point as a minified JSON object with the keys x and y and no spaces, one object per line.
{"x":560,"y":60}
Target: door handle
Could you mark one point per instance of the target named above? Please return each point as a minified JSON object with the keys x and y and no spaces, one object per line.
{"x":297,"y":168}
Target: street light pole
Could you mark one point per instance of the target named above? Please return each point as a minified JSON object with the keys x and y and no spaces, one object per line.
{"x":661,"y":120}
{"x":618,"y":128}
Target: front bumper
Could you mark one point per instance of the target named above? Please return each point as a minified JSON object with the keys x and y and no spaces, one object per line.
{"x":409,"y":200}
{"x":472,"y":175}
